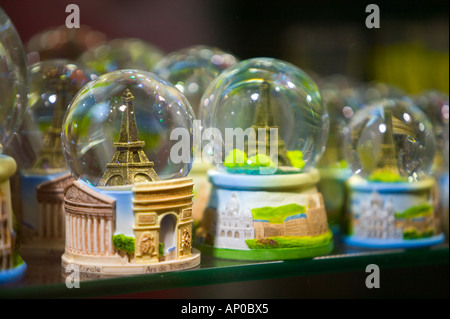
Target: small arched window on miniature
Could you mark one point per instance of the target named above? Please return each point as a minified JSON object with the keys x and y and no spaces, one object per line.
{"x":167,"y":236}
{"x":115,"y":180}
{"x":141,"y":178}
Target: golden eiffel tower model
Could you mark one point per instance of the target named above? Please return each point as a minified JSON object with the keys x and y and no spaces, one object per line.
{"x":129,"y":164}
{"x":264,"y":120}
{"x":388,"y":158}
{"x":50,"y":157}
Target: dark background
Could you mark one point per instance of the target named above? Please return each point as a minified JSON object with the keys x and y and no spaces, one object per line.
{"x":410,"y":50}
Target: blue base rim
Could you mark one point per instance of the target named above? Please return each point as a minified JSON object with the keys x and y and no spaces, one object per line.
{"x":393,"y":243}
{"x":13,"y":275}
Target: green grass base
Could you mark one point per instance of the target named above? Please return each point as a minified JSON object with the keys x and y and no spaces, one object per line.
{"x":268,"y":254}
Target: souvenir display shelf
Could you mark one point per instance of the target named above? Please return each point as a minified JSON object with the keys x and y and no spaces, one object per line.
{"x":403,"y":273}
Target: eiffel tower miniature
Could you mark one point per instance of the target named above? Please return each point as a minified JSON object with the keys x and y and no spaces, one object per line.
{"x":50,"y":156}
{"x":129,"y":164}
{"x":388,"y":158}
{"x":264,"y":120}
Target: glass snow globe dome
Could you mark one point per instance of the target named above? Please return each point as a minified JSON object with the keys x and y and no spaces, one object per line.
{"x":343,"y":99}
{"x":13,"y":79}
{"x":435,"y":105}
{"x":52,"y":85}
{"x":391,"y":140}
{"x":265,"y":116}
{"x":374,"y":91}
{"x":128,"y":126}
{"x":193,"y":69}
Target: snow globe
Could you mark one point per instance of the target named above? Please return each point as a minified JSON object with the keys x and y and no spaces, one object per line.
{"x":391,"y":203}
{"x":128,"y":142}
{"x":13,"y":102}
{"x":117,"y":54}
{"x":43,"y":172}
{"x":435,"y":105}
{"x":265,"y":128}
{"x":342,"y":98}
{"x":375,"y":90}
{"x":191,"y":70}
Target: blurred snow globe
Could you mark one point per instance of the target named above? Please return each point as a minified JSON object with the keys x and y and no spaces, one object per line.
{"x":13,"y":81}
{"x":193,"y":69}
{"x":128,"y":126}
{"x":264,"y":116}
{"x":375,"y":90}
{"x":343,"y":99}
{"x":13,"y":103}
{"x":52,"y":85}
{"x":117,"y":54}
{"x":435,"y":105}
{"x":391,"y":141}
{"x":63,"y":43}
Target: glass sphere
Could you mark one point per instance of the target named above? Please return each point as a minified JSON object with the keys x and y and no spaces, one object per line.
{"x":121,"y":54}
{"x":343,"y":99}
{"x":125,"y":127}
{"x":192,"y":69}
{"x":53,"y":84}
{"x":264,"y":96}
{"x":391,"y":140}
{"x":13,"y":79}
{"x":435,"y":105}
{"x":374,"y":91}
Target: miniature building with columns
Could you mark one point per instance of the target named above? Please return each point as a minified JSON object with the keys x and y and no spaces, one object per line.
{"x":50,"y":196}
{"x":90,"y":221}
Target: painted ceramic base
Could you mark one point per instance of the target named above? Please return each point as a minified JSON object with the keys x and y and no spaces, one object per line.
{"x":13,"y":275}
{"x":270,"y":217}
{"x":393,"y":243}
{"x":333,"y":188}
{"x":116,"y":266}
{"x":268,"y":254}
{"x":392,"y":215}
{"x":125,"y":230}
